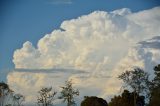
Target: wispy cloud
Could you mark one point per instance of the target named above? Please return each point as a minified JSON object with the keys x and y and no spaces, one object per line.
{"x":60,"y":2}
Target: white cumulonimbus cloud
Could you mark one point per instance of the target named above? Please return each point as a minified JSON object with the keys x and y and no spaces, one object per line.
{"x":101,"y":44}
{"x":90,"y":41}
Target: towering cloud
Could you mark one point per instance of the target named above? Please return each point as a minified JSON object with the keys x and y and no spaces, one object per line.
{"x":101,"y":44}
{"x":90,"y":41}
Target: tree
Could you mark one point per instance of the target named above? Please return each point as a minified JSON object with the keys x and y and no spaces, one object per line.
{"x":155,"y":88}
{"x":127,"y":99}
{"x":46,"y":96}
{"x":137,"y":80}
{"x":18,"y":99}
{"x":93,"y":101}
{"x":5,"y":93}
{"x":68,"y":93}
{"x":156,"y":80}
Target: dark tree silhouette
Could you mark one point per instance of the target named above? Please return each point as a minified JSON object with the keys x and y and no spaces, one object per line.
{"x":5,"y":93}
{"x":155,"y":88}
{"x":18,"y":99}
{"x":137,"y":80}
{"x":127,"y":99}
{"x":46,"y":96}
{"x":93,"y":101}
{"x":68,"y":93}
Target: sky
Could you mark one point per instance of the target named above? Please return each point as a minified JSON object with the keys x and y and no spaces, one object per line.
{"x":29,"y":20}
{"x":87,"y":41}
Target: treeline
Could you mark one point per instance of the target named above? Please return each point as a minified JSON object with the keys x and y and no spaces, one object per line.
{"x":138,"y":90}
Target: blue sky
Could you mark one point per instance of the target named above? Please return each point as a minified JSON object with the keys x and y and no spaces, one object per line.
{"x":30,"y":20}
{"x":98,"y":46}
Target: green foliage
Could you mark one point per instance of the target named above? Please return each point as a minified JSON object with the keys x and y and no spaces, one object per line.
{"x":68,"y":93}
{"x":156,"y":80}
{"x":4,"y":89}
{"x":46,"y":96}
{"x":127,"y":99}
{"x":135,"y":79}
{"x":93,"y":101}
{"x":138,"y":81}
{"x":5,"y":93}
{"x":155,"y":88}
{"x":155,"y":97}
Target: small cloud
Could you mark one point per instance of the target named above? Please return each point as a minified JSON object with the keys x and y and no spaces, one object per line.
{"x":60,"y":1}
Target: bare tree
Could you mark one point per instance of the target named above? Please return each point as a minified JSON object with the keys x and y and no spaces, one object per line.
{"x":68,"y":93}
{"x":46,"y":97}
{"x":18,"y":99}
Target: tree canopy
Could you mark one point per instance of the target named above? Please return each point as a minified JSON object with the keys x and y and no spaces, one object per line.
{"x":93,"y":101}
{"x":68,"y":93}
{"x":46,"y":96}
{"x":137,"y":80}
{"x":127,"y":99}
{"x":5,"y":92}
{"x":155,"y":88}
